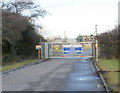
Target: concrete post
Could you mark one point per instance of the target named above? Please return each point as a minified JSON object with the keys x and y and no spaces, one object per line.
{"x":96,"y":50}
{"x":46,"y":50}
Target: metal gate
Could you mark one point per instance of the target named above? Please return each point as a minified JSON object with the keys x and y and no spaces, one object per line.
{"x":71,"y":50}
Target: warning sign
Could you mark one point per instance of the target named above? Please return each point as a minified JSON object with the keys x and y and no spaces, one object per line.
{"x":38,"y":46}
{"x":56,"y":47}
{"x":96,"y":45}
{"x":88,"y":45}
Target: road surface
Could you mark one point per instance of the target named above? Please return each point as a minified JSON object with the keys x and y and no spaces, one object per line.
{"x":55,"y":75}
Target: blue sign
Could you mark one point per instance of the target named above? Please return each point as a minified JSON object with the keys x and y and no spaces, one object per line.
{"x":72,"y":49}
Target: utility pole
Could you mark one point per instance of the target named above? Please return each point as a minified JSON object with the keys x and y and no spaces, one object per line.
{"x":118,"y":13}
{"x":95,"y":30}
{"x":93,"y":53}
{"x":65,"y":37}
{"x":96,"y":44}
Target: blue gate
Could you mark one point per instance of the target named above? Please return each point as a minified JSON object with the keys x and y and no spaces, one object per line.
{"x":72,"y":49}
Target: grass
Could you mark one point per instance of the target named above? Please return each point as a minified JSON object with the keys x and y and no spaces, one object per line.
{"x":110,"y":77}
{"x":108,"y":64}
{"x":16,"y":64}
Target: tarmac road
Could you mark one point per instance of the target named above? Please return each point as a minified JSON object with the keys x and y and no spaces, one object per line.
{"x":55,"y":75}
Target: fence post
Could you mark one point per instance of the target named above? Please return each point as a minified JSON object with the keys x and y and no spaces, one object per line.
{"x":46,"y":50}
{"x":39,"y":54}
{"x":42,"y":50}
{"x":96,"y":45}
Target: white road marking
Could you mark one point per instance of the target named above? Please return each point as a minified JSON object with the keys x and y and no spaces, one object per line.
{"x":98,"y":85}
{"x":93,"y":69}
{"x":92,"y":64}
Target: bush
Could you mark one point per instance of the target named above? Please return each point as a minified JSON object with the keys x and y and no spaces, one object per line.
{"x":108,"y":42}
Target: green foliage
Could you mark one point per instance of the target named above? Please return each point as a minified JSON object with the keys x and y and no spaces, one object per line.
{"x":26,"y":46}
{"x":108,"y":42}
{"x":19,"y":34}
{"x":12,"y":27}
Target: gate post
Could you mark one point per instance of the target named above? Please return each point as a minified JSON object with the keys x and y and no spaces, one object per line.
{"x":96,"y":46}
{"x":46,"y":50}
{"x":93,"y":46}
{"x":42,"y":50}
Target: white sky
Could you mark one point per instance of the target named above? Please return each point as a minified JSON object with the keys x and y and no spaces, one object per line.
{"x":78,"y":16}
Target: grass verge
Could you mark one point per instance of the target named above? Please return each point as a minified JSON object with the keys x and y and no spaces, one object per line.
{"x":111,"y":72}
{"x":16,"y":64}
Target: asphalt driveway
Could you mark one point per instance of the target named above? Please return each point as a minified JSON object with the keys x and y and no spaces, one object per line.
{"x":55,"y":75}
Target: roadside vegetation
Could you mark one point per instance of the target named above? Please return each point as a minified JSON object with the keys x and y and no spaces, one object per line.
{"x":19,"y":32}
{"x":110,"y":71}
{"x":14,"y":64}
{"x":109,"y":43}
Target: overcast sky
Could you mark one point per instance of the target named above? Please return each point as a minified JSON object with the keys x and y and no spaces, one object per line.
{"x":78,"y":16}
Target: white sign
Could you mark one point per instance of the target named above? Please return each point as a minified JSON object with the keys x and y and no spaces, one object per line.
{"x":38,"y":46}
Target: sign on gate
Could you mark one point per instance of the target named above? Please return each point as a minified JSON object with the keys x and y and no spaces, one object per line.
{"x":88,"y":45}
{"x":72,"y":49}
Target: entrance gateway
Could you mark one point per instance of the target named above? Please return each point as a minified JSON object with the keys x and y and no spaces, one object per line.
{"x":66,"y":50}
{"x":70,"y":50}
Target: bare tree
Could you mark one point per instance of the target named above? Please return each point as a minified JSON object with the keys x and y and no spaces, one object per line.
{"x":14,"y":23}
